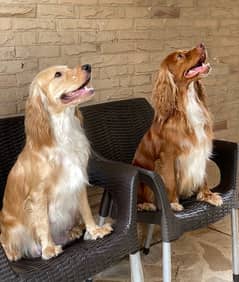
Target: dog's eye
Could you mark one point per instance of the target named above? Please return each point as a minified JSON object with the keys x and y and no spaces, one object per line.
{"x":58,"y":74}
{"x":180,"y":56}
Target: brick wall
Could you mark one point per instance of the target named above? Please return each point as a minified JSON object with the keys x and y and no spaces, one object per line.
{"x":124,"y":40}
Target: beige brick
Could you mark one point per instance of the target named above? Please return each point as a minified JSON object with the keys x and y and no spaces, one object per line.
{"x":138,"y":58}
{"x":12,"y":67}
{"x":178,"y":3}
{"x":229,"y":23}
{"x":29,"y":1}
{"x":121,"y":47}
{"x":157,"y":57}
{"x":165,"y":12}
{"x":193,"y":13}
{"x":64,"y":37}
{"x":107,"y":95}
{"x":25,"y":38}
{"x":5,"y":24}
{"x":72,"y":24}
{"x":108,"y":72}
{"x":81,"y":2}
{"x":7,"y":53}
{"x":220,"y":51}
{"x":231,"y":60}
{"x":206,"y":23}
{"x":116,"y":2}
{"x":7,"y":81}
{"x":215,"y":3}
{"x":17,"y":10}
{"x":10,"y":97}
{"x":7,"y":109}
{"x":37,"y":51}
{"x":93,"y":36}
{"x":133,"y":35}
{"x":117,"y":24}
{"x":70,"y":61}
{"x":223,"y":41}
{"x":181,"y":43}
{"x":55,"y":11}
{"x":147,"y":3}
{"x":26,"y":24}
{"x":146,"y":68}
{"x":105,"y":83}
{"x":25,"y":77}
{"x":21,"y":106}
{"x":6,"y":38}
{"x":78,"y":49}
{"x":116,"y":59}
{"x":22,"y":92}
{"x":149,"y":24}
{"x":143,"y":90}
{"x":134,"y":80}
{"x":163,"y":33}
{"x":148,"y":45}
{"x":100,"y":12}
{"x":138,"y":12}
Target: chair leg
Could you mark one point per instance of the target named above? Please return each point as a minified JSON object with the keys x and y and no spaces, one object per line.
{"x":148,"y":239}
{"x":105,"y":207}
{"x":101,"y":220}
{"x":235,"y":247}
{"x":166,"y":261}
{"x":137,"y":274}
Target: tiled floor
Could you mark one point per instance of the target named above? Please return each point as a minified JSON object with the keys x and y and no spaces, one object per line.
{"x":200,"y":256}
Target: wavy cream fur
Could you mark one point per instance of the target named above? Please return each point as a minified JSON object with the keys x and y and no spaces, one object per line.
{"x":45,"y":198}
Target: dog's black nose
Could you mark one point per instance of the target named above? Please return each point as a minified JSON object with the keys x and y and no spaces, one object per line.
{"x":86,"y":68}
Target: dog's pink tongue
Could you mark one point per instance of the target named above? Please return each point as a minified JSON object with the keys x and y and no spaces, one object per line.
{"x":196,"y":71}
{"x":82,"y":91}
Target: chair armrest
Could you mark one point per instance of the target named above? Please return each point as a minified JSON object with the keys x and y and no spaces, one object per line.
{"x":121,"y":181}
{"x":226,"y":156}
{"x":154,"y":181}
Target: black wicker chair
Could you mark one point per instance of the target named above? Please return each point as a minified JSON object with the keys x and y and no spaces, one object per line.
{"x":82,"y":259}
{"x":116,"y":128}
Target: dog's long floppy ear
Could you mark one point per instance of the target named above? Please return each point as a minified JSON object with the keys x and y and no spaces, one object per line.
{"x":37,"y":123}
{"x":164,"y":93}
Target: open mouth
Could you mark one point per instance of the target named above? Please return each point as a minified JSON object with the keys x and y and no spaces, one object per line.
{"x":199,"y":68}
{"x":82,"y":91}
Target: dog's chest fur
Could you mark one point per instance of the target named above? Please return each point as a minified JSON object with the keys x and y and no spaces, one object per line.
{"x":70,"y":156}
{"x":192,"y":164}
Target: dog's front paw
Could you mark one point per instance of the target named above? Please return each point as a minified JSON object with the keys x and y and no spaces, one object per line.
{"x":75,"y":232}
{"x":146,"y":207}
{"x":51,"y":251}
{"x":12,"y":255}
{"x":176,"y":207}
{"x":212,"y":198}
{"x":98,"y":232}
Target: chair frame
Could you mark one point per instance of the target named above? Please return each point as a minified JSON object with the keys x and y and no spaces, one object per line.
{"x":137,"y":113}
